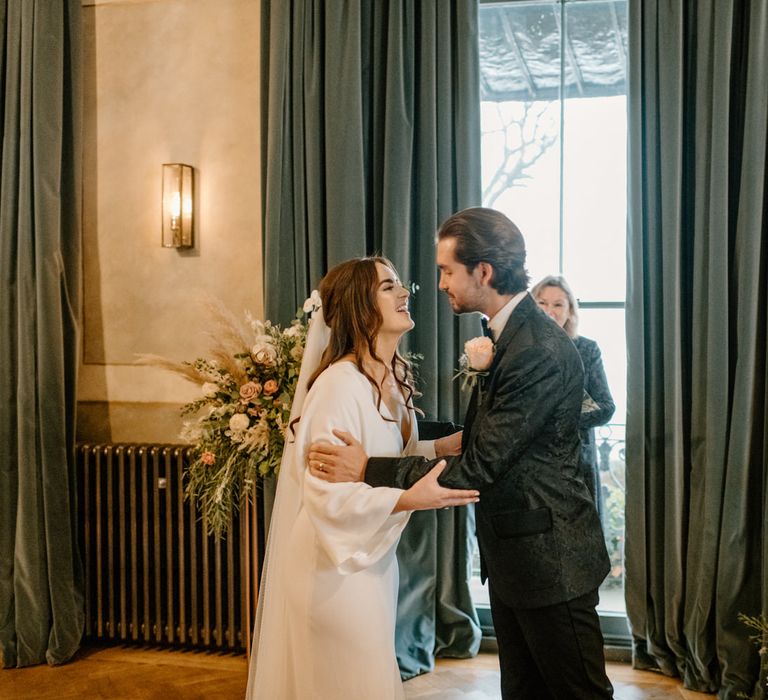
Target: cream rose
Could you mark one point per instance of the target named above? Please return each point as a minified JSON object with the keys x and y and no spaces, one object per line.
{"x":264,"y":353}
{"x":190,"y":432}
{"x":479,"y":353}
{"x":239,"y":422}
{"x":210,"y":389}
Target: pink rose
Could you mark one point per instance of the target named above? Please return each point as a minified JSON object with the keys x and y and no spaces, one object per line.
{"x":479,"y":353}
{"x":270,"y":387}
{"x":208,"y":458}
{"x":249,"y":390}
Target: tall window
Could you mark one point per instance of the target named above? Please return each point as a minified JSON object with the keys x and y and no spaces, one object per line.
{"x":553,"y":91}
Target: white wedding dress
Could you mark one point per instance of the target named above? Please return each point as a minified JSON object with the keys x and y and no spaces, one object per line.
{"x":326,"y":625}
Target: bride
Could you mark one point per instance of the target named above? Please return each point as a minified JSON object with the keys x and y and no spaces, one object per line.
{"x":326,"y":613}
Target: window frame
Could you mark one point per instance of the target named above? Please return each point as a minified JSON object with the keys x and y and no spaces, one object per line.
{"x":614,"y":625}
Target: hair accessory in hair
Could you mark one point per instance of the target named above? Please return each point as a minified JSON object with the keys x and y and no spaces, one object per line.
{"x":313,"y":302}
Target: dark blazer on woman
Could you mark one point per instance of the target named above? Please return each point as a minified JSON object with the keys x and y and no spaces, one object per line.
{"x":596,"y":385}
{"x":538,"y":530}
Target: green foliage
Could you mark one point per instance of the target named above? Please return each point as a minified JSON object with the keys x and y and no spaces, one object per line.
{"x":760,"y":639}
{"x":614,"y":535}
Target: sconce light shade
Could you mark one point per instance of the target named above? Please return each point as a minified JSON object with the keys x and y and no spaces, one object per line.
{"x":178,"y":205}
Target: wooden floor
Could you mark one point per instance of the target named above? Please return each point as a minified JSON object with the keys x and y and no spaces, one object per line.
{"x":120,"y":673}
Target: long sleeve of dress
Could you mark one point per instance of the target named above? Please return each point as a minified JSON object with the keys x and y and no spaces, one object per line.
{"x":595,"y":384}
{"x":353,"y":522}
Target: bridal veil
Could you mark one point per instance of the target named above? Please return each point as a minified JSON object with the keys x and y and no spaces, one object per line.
{"x":271,"y":607}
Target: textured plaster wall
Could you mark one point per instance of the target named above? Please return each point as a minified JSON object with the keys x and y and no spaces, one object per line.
{"x":165,"y":81}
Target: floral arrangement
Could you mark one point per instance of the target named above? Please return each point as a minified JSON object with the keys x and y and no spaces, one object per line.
{"x":239,"y":424}
{"x":759,"y":625}
{"x":475,"y":362}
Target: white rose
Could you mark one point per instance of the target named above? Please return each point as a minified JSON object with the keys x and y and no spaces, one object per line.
{"x":313,"y":302}
{"x":479,"y":353}
{"x":239,"y":422}
{"x":190,"y":432}
{"x":291,"y":331}
{"x":210,"y":389}
{"x":264,"y":353}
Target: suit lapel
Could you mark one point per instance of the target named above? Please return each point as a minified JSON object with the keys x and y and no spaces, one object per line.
{"x":470,"y":417}
{"x":518,"y":317}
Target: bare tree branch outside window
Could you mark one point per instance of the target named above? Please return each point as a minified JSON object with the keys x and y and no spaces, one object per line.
{"x":527,"y":130}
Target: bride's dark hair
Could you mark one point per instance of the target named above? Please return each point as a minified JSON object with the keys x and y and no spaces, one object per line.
{"x":348,"y":293}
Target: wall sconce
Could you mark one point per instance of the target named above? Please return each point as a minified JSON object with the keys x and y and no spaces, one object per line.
{"x":178,"y":194}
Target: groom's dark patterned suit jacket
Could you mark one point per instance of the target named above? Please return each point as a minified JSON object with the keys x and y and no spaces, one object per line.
{"x":540,"y":537}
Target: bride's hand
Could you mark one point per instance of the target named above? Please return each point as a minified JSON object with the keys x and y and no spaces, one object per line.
{"x":449,"y":445}
{"x":427,"y":494}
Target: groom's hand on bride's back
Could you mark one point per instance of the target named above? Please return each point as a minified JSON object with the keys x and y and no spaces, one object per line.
{"x":337,"y":463}
{"x":448,"y":445}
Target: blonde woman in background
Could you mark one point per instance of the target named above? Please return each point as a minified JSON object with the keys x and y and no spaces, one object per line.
{"x":556,"y":298}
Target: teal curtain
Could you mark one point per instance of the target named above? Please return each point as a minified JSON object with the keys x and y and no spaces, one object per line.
{"x":41,"y":602}
{"x":371,"y":138}
{"x":697,"y":314}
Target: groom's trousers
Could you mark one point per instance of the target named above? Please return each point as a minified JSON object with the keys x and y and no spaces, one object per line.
{"x":551,"y":653}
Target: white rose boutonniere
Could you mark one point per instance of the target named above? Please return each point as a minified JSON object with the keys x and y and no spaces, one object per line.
{"x":479,"y":353}
{"x":475,"y":362}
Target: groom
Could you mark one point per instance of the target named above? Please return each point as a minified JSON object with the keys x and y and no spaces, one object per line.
{"x":540,"y":539}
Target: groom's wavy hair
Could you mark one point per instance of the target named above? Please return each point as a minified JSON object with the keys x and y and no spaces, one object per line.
{"x":486,"y":235}
{"x":348,"y":293}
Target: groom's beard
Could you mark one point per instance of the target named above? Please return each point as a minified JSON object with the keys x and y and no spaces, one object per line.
{"x":459,"y":308}
{"x":468,"y":303}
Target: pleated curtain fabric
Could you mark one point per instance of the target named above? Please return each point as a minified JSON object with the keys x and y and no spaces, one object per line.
{"x":41,"y":600}
{"x":371,"y":138}
{"x":697,"y":313}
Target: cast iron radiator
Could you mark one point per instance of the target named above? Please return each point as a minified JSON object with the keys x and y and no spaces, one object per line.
{"x":152,"y":576}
